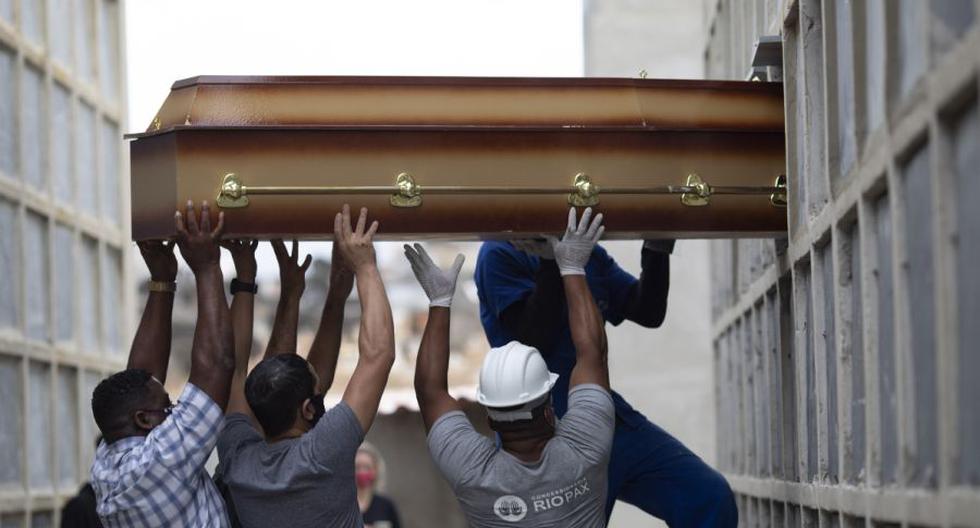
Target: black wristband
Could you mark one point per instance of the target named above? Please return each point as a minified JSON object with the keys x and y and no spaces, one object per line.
{"x":246,"y":287}
{"x":665,"y":245}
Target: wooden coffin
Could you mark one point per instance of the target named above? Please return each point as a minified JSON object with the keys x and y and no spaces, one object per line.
{"x":465,"y":158}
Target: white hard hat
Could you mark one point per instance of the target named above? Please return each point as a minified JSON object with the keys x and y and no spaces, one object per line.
{"x":512,"y":375}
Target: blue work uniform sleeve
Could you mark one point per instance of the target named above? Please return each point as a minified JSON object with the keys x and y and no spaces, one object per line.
{"x":503,"y":275}
{"x":618,"y":283}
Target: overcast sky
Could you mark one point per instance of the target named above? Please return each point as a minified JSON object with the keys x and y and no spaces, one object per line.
{"x":174,"y":39}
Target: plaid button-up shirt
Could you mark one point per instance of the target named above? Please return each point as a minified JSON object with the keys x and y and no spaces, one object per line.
{"x":160,"y":480}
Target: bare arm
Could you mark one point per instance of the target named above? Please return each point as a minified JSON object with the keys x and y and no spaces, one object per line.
{"x":432,"y":367}
{"x":588,"y":334}
{"x":536,"y":319}
{"x":151,"y":344}
{"x":213,"y":351}
{"x":242,"y":318}
{"x":326,"y":343}
{"x":585,"y":321}
{"x":292,"y":282}
{"x":376,"y":341}
{"x":432,"y":364}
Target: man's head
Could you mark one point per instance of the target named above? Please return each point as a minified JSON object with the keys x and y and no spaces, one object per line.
{"x":281,"y":391}
{"x":515,"y":387}
{"x":129,"y":403}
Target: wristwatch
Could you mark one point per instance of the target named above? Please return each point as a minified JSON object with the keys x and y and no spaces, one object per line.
{"x":246,"y":287}
{"x":162,"y":286}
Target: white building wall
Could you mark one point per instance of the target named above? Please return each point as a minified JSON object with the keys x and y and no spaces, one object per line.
{"x":846,"y":354}
{"x":64,"y":201}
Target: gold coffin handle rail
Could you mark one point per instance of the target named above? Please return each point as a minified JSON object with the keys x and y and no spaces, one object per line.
{"x":695,"y":192}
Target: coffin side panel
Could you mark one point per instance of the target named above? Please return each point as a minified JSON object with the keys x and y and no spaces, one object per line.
{"x":702,"y":108}
{"x":153,"y":186}
{"x":499,"y":158}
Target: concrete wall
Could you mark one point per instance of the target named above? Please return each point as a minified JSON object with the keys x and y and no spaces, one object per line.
{"x":664,"y":38}
{"x":841,"y":350}
{"x":64,"y":200}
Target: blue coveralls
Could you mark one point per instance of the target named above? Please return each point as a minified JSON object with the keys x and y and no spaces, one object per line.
{"x":649,"y":468}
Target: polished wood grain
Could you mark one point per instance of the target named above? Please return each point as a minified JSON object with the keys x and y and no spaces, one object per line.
{"x":463,"y":131}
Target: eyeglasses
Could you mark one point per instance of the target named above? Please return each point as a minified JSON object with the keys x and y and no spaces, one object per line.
{"x":166,"y":410}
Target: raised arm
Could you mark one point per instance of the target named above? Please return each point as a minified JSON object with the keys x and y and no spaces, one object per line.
{"x":536,"y":319}
{"x":292,"y":282}
{"x":584,"y":319}
{"x":151,"y":344}
{"x":588,"y":334}
{"x":213,"y":351}
{"x":326,"y":343}
{"x":432,"y":364}
{"x":242,"y":317}
{"x":646,"y":303}
{"x":376,"y":341}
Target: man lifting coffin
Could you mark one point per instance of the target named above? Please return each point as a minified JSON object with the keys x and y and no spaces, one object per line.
{"x":519,"y":285}
{"x":149,"y":470}
{"x":546,"y":472}
{"x":294,"y":464}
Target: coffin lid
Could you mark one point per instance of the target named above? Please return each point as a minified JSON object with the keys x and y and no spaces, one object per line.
{"x":468,"y":103}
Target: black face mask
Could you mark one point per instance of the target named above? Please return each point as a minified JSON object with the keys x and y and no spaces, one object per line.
{"x":318,"y":408}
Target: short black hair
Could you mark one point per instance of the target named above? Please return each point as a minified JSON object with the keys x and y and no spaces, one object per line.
{"x":117,"y":397}
{"x":276,"y":388}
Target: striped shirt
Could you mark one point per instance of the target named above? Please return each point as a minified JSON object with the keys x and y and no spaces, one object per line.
{"x":159,"y":479}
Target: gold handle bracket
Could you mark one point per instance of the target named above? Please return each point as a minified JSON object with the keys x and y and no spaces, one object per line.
{"x":409,"y":193}
{"x":700,"y":194}
{"x":585,"y":193}
{"x":232,"y":194}
{"x":778,"y":198}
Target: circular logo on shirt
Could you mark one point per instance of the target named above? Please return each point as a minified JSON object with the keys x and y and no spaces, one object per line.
{"x":510,"y":508}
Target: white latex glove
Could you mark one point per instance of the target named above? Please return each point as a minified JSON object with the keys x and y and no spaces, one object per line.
{"x":572,"y":252}
{"x":540,"y":248}
{"x":439,"y":285}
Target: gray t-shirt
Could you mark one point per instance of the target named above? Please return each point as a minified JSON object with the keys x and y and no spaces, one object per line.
{"x":566,"y":487}
{"x":301,"y":482}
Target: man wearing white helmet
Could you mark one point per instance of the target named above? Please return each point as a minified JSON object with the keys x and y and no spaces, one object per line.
{"x":546,"y":472}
